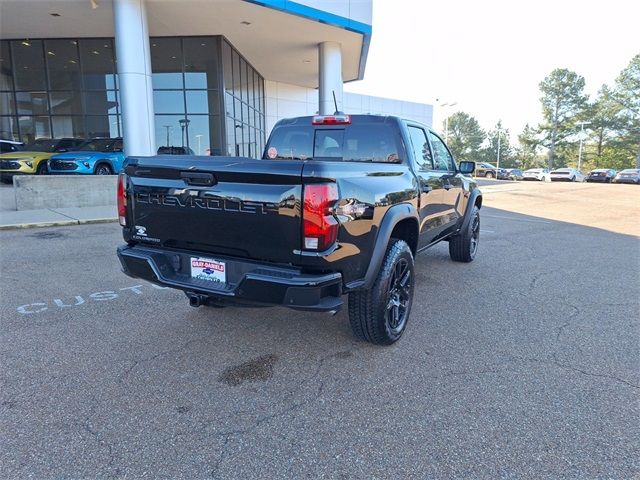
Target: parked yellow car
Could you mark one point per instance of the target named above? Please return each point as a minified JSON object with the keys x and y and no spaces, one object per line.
{"x":32,"y":160}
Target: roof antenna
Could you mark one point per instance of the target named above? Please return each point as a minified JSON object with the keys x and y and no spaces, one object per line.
{"x":335,"y":102}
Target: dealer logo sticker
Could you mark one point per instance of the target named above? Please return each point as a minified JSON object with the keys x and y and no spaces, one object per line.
{"x":142,"y":231}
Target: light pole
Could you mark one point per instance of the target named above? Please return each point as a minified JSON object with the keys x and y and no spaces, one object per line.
{"x":499,"y":131}
{"x":199,"y":137}
{"x":184,"y":124}
{"x":582,"y":124}
{"x":446,"y":119}
{"x":168,"y":127}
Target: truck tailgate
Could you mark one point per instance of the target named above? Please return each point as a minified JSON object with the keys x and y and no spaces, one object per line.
{"x":217,"y":205}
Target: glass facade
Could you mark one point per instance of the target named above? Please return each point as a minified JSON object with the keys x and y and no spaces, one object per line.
{"x":207,"y":97}
{"x":58,"y":88}
{"x":243,"y":105}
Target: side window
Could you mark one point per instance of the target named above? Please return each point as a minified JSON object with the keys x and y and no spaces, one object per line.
{"x":420,"y":147}
{"x":442,"y":158}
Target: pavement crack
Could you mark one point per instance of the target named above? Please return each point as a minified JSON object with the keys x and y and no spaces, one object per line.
{"x":558,"y":363}
{"x":565,"y":366}
{"x":536,"y":278}
{"x":292,"y":407}
{"x":88,"y":428}
{"x":151,"y":358}
{"x":572,"y":316}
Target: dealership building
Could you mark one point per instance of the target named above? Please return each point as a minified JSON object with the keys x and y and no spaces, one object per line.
{"x":212,"y":75}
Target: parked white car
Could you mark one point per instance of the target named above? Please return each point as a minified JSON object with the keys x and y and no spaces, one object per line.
{"x":567,"y":175}
{"x":539,"y":174}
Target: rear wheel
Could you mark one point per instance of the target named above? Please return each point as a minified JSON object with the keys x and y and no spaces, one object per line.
{"x":103,"y":169}
{"x":379,"y":315}
{"x":464,"y":245}
{"x":488,"y":175}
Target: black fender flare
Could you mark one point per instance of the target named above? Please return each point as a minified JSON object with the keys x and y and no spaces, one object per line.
{"x":394,"y":215}
{"x":471,"y":202}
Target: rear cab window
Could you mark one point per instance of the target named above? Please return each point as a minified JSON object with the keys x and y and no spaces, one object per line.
{"x":360,"y":141}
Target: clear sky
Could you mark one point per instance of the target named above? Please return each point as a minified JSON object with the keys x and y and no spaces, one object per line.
{"x":490,"y":55}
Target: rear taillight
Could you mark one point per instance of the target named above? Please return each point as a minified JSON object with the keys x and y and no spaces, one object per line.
{"x":319,"y":226}
{"x":122,"y":199}
{"x":331,"y":119}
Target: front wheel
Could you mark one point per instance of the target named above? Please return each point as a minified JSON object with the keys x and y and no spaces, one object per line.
{"x":488,"y":175}
{"x":464,"y":245}
{"x":379,"y":315}
{"x":42,"y":169}
{"x":103,"y":169}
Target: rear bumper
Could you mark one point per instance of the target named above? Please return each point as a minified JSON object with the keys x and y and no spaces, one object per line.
{"x":248,"y":283}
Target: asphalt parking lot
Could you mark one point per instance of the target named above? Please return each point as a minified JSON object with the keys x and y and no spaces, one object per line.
{"x":524,"y":363}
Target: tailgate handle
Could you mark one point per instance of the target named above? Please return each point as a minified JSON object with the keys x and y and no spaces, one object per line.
{"x":198,"y":178}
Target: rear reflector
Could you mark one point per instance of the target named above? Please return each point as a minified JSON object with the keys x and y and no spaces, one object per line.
{"x":320,"y":227}
{"x":331,"y":120}
{"x":122,"y":200}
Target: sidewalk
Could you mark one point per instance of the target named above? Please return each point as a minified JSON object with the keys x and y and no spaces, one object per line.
{"x":57,"y":217}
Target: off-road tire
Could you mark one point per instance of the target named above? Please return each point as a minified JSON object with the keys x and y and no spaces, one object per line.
{"x":464,"y":246}
{"x":369,"y":313}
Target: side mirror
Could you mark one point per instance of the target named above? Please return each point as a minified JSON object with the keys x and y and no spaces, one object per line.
{"x":466,"y":168}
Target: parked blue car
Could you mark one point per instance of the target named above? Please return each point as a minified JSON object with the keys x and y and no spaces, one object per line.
{"x":97,"y":156}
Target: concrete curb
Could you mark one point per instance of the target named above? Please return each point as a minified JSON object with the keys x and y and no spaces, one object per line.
{"x":19,"y":226}
{"x":10,"y":220}
{"x":60,"y":223}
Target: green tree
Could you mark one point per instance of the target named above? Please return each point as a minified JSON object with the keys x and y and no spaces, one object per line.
{"x":626,"y":93}
{"x":528,"y":151}
{"x":464,"y":136}
{"x":603,"y":115}
{"x":563,"y":100}
{"x":490,"y":151}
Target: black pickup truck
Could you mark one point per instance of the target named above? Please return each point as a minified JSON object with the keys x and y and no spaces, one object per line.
{"x":338,"y":205}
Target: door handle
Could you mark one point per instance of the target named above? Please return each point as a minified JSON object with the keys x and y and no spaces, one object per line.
{"x":201,"y":179}
{"x":426,"y":188}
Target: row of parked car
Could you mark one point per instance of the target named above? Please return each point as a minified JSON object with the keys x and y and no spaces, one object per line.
{"x":95,"y":156}
{"x":602,"y":175}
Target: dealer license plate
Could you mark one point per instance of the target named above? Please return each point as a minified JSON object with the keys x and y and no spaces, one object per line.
{"x":208,"y":269}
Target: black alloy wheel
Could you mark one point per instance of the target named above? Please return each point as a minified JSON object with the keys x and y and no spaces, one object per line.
{"x":381,"y":313}
{"x":399,"y":296}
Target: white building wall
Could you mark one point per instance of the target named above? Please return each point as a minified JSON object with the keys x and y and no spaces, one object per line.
{"x":284,"y":101}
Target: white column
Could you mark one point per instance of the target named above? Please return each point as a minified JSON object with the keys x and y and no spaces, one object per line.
{"x":330,"y":70}
{"x":134,"y":75}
